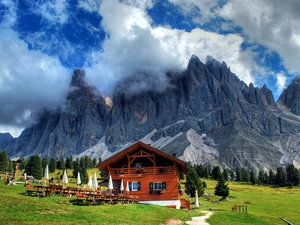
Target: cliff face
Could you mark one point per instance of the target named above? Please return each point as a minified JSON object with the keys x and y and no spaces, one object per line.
{"x":69,"y":130}
{"x":205,"y":115}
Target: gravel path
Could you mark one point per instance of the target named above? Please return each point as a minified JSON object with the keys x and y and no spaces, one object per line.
{"x":200,"y":220}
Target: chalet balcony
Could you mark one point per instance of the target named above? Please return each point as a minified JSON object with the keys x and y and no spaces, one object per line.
{"x":143,"y":171}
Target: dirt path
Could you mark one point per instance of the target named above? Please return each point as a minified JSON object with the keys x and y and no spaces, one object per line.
{"x":200,"y":220}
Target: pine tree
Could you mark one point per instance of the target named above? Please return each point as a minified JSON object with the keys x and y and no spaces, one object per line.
{"x":45,"y":162}
{"x":252,"y":178}
{"x":4,"y":161}
{"x":292,"y":175}
{"x":271,"y":177}
{"x":280,"y":177}
{"x":238,"y":174}
{"x":52,"y":166}
{"x":34,"y":167}
{"x":225,"y":174}
{"x":216,"y":173}
{"x":193,"y":183}
{"x":222,"y":188}
{"x":85,"y":176}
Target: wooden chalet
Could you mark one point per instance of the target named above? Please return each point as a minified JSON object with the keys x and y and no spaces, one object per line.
{"x":151,"y":174}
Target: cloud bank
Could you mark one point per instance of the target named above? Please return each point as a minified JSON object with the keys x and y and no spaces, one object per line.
{"x":133,"y":46}
{"x":41,"y":42}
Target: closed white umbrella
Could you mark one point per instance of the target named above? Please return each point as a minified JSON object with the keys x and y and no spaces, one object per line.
{"x":127,"y":187}
{"x":110,"y":184}
{"x":95,"y":183}
{"x":78,"y":181}
{"x":90,"y":183}
{"x":46,"y":174}
{"x":65,"y":178}
{"x":122,"y":187}
{"x":197,"y":200}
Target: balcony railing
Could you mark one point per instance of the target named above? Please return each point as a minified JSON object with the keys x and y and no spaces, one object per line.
{"x":158,"y":170}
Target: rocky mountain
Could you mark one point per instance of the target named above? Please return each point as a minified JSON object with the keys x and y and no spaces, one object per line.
{"x":205,"y":115}
{"x":68,"y":130}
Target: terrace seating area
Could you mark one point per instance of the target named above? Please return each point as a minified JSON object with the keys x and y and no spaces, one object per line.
{"x":83,"y":196}
{"x":100,"y":198}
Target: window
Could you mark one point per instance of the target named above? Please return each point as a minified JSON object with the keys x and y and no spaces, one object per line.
{"x":157,"y":186}
{"x":134,"y":186}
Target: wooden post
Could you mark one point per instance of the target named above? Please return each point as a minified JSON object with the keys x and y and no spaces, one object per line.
{"x":289,"y":223}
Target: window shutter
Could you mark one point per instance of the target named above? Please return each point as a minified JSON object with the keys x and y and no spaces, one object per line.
{"x":151,"y":186}
{"x":139,"y":186}
{"x":164,"y":185}
{"x":130,"y":187}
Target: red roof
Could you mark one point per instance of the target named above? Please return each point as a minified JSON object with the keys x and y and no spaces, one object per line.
{"x":103,"y":165}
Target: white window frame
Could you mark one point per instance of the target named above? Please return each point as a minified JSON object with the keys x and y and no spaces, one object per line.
{"x":134,"y":186}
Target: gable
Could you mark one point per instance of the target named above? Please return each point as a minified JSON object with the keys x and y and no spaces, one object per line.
{"x":139,"y":153}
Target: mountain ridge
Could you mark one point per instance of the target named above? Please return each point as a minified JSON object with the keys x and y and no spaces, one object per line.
{"x":205,"y":115}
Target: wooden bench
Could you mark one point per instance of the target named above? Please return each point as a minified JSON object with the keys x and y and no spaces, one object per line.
{"x":81,"y":198}
{"x":31,"y":190}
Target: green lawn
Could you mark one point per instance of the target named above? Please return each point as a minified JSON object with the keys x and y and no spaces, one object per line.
{"x":17,"y":208}
{"x":265,"y":205}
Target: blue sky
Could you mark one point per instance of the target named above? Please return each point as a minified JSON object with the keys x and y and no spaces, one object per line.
{"x":42,"y":42}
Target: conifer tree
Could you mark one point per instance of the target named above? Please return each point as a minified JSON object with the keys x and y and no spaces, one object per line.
{"x":34,"y":167}
{"x":4,"y":161}
{"x":45,"y":162}
{"x":52,"y":165}
{"x":252,"y":178}
{"x":292,"y":175}
{"x":222,"y":188}
{"x":193,"y":183}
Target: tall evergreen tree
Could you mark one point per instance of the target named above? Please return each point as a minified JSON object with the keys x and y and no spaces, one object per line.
{"x":231,"y":174}
{"x":52,"y":165}
{"x":45,"y":162}
{"x":84,"y":175}
{"x":222,"y":188}
{"x":4,"y":161}
{"x":225,"y":174}
{"x":280,"y":177}
{"x":271,"y":177}
{"x":238,"y":174}
{"x":216,"y":173}
{"x":292,"y":175}
{"x":94,"y":162}
{"x":246,"y":175}
{"x":193,"y":183}
{"x":261,"y":177}
{"x":252,"y":178}
{"x":34,"y":167}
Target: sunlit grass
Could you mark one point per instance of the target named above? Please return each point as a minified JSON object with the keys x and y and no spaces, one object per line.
{"x":265,"y":204}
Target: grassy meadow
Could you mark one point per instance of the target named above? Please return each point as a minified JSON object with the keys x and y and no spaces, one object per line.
{"x":265,"y":205}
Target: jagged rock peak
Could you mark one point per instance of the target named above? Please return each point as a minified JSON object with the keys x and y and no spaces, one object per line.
{"x":291,"y":96}
{"x":210,"y":61}
{"x":78,"y":78}
{"x":194,"y":62}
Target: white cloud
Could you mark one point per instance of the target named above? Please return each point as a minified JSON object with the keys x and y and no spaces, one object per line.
{"x":133,"y":46}
{"x":10,"y":17}
{"x":272,"y":23}
{"x":29,"y":81}
{"x":54,"y":11}
{"x":281,"y":82}
{"x":89,"y":5}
